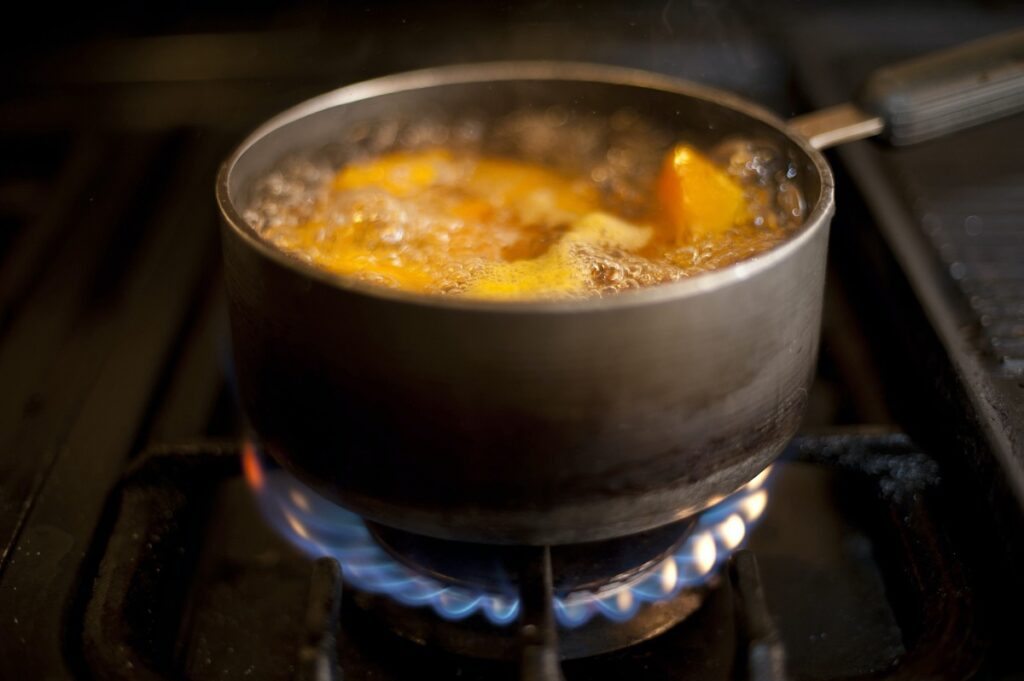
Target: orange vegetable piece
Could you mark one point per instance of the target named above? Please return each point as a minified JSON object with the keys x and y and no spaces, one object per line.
{"x":699,"y":199}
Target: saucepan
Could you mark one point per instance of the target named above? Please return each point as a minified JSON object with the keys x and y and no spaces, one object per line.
{"x":549,"y":422}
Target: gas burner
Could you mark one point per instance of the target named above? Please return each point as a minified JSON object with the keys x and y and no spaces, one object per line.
{"x":596,"y":636}
{"x":591,"y":566}
{"x":664,"y":581}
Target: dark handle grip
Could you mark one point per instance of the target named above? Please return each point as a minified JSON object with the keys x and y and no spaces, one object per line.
{"x":949,"y":90}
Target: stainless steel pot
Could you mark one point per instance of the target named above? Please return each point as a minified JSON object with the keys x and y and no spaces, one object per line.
{"x":543,"y":422}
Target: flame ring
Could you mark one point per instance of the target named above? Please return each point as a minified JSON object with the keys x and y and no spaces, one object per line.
{"x":320,"y":527}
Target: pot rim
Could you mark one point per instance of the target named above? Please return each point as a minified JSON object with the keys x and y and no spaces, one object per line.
{"x":485,"y":72}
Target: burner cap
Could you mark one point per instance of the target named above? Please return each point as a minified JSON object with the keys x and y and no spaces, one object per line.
{"x":496,"y":568}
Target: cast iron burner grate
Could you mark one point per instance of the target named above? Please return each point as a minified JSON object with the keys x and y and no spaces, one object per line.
{"x":855,"y":571}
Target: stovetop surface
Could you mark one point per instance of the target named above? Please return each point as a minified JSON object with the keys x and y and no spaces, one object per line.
{"x":113,"y":341}
{"x":191,"y":582}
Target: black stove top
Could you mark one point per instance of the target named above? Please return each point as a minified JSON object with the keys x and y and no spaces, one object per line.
{"x":130,"y":545}
{"x":857,"y":566}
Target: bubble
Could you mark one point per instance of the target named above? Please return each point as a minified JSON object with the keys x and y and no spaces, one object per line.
{"x":766,"y":175}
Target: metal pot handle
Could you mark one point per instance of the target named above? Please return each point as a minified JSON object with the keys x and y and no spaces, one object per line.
{"x":927,"y":97}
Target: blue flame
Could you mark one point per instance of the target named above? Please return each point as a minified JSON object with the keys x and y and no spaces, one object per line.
{"x":320,"y":527}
